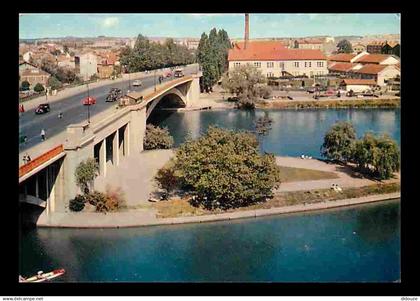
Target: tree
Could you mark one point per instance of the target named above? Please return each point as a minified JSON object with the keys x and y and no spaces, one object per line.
{"x":157,"y":138}
{"x":224,"y":169}
{"x":262,"y":128}
{"x":66,"y":49}
{"x":25,"y":85}
{"x":54,"y":83}
{"x":339,"y":141}
{"x":344,"y":46}
{"x":39,"y":88}
{"x":85,"y":174}
{"x":246,"y":83}
{"x":377,"y":156}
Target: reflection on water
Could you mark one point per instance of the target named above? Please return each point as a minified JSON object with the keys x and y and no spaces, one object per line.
{"x":354,"y":244}
{"x":294,"y":132}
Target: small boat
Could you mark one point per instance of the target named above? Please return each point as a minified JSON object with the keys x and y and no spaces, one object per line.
{"x":41,"y":276}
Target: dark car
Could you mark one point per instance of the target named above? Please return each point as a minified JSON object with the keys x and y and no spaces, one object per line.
{"x":42,"y":108}
{"x":114,"y":95}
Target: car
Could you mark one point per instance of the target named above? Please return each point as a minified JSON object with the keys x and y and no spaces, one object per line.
{"x":42,"y":108}
{"x":312,"y":90}
{"x":137,"y":83}
{"x":368,"y":93}
{"x":178,"y":73}
{"x":88,"y":101}
{"x":114,"y":95}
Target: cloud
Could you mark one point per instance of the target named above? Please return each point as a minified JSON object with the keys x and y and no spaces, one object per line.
{"x":110,"y":22}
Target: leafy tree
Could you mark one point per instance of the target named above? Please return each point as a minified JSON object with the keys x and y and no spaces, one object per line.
{"x":224,"y":169}
{"x":344,"y":46}
{"x":54,"y":83}
{"x":246,"y":83}
{"x":39,"y":88}
{"x":262,"y":128}
{"x":339,"y":141}
{"x":157,"y":138}
{"x":85,"y":174}
{"x":377,"y":156}
{"x":167,"y":179}
{"x":25,"y":86}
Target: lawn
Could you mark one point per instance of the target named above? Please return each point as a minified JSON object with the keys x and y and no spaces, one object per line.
{"x":292,"y":174}
{"x":181,"y":207}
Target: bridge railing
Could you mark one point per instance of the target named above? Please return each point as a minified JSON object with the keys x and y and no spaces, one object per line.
{"x":38,"y":161}
{"x":166,"y":86}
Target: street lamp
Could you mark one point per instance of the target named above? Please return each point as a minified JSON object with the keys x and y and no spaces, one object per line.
{"x":87,"y":84}
{"x":155,"y":79}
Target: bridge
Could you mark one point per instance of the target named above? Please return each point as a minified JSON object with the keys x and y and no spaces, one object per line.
{"x":48,"y":180}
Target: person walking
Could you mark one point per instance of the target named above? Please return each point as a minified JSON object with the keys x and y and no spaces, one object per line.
{"x":43,"y":135}
{"x":60,"y":115}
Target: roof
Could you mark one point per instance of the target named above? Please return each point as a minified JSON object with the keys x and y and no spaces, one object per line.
{"x":371,"y":69}
{"x":33,"y":72}
{"x":376,"y":43}
{"x":342,"y":57}
{"x":341,"y":67}
{"x":24,"y":62}
{"x":373,"y":58}
{"x":310,"y":42}
{"x":271,"y":50}
{"x":357,"y":81}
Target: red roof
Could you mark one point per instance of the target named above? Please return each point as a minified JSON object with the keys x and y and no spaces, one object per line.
{"x":356,"y":81}
{"x":342,"y":57}
{"x":341,"y":67}
{"x":371,"y":69}
{"x":271,"y":51}
{"x":372,"y":58}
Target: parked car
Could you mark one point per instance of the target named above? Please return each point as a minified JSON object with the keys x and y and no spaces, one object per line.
{"x":368,"y":93}
{"x":312,"y":90}
{"x":114,"y":95}
{"x":42,"y":108}
{"x":178,"y":73}
{"x":137,"y":83}
{"x":88,"y":101}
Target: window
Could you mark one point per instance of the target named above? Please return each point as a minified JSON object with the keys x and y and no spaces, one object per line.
{"x":270,"y":64}
{"x":296,"y":64}
{"x":236,"y":64}
{"x":306,"y":65}
{"x":281,"y":65}
{"x":270,"y":74}
{"x":309,"y":64}
{"x":257,"y":64}
{"x":320,"y":64}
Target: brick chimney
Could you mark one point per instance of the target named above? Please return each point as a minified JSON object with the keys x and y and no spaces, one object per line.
{"x":246,"y":30}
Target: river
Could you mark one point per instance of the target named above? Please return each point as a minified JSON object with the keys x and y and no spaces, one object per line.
{"x":357,"y":244}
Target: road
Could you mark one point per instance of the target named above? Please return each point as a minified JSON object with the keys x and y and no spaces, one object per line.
{"x":73,"y":111}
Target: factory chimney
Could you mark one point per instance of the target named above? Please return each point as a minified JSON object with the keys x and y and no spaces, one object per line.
{"x":246,"y":30}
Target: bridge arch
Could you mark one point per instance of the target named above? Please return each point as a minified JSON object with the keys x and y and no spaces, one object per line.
{"x":172,"y":98}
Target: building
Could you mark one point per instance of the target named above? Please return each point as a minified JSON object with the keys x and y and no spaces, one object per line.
{"x":374,"y":47}
{"x":86,"y":65}
{"x":33,"y":75}
{"x":384,"y":47}
{"x":357,"y":85}
{"x":380,"y":73}
{"x":309,"y":44}
{"x":105,"y":69}
{"x":274,"y":60}
{"x":380,"y":59}
{"x":358,"y":48}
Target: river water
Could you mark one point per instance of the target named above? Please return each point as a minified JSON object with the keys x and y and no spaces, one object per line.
{"x":357,"y":244}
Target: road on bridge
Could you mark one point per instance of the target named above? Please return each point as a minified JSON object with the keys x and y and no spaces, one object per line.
{"x":74,"y":111}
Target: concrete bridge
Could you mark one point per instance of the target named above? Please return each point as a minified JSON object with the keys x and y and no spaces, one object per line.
{"x":48,"y":180}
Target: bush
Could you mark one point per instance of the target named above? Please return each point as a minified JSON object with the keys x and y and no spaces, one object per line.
{"x":157,"y":138}
{"x":339,"y":141}
{"x":25,"y":86}
{"x":39,"y":88}
{"x":85,"y":174}
{"x":77,"y":204}
{"x":112,"y":200}
{"x":167,"y":179}
{"x":54,"y":83}
{"x":225,"y":170}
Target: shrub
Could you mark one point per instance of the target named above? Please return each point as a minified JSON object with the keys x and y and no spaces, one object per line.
{"x":167,"y":179}
{"x":54,"y":83}
{"x":112,"y":200}
{"x":339,"y":141}
{"x":157,"y":138}
{"x":85,"y":174}
{"x":225,"y":170}
{"x":25,"y":86}
{"x":78,"y":203}
{"x":39,"y":88}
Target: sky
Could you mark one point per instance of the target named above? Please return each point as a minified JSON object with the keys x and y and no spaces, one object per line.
{"x":33,"y":26}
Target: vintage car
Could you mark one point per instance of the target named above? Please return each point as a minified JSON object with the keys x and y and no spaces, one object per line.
{"x":88,"y":101}
{"x":114,"y":95}
{"x":42,"y":108}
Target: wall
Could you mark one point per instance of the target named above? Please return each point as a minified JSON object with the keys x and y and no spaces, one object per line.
{"x":386,"y":74}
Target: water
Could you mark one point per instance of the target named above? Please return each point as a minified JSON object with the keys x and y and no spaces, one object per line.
{"x":357,"y":244}
{"x":294,"y":132}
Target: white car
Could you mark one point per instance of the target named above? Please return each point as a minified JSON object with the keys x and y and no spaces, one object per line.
{"x":137,"y":83}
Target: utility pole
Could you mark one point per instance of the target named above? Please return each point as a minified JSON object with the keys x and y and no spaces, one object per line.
{"x":155,"y":79}
{"x":88,"y":103}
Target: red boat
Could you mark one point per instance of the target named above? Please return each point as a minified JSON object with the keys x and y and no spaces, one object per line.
{"x":88,"y":101}
{"x":41,"y":276}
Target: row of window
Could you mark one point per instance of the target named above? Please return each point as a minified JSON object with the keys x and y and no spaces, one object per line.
{"x":281,"y":64}
{"x":271,"y":74}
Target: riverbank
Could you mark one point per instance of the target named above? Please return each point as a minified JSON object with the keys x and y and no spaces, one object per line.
{"x":138,"y":218}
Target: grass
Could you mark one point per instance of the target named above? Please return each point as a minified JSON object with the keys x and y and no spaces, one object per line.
{"x":292,"y":174}
{"x":353,"y":103}
{"x":181,"y":207}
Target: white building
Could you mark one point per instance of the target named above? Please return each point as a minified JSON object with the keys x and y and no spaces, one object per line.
{"x":86,"y":65}
{"x":273,"y":59}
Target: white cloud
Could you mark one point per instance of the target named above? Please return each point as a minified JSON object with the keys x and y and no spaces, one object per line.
{"x":110,"y":22}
